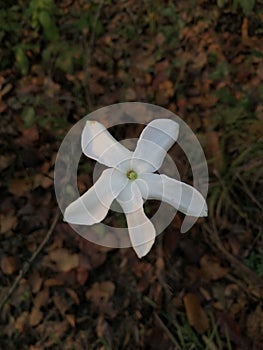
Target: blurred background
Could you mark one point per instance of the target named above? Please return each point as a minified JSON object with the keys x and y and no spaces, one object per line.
{"x":59,"y":61}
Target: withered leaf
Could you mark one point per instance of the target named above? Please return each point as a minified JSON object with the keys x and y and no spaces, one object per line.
{"x":100,"y":291}
{"x":64,"y":260}
{"x":9,"y":264}
{"x":195,"y":313}
{"x":35,"y":316}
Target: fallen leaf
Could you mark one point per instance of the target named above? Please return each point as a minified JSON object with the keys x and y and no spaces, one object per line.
{"x":3,"y":106}
{"x":64,"y":260}
{"x":103,"y":330}
{"x":100,"y":291}
{"x":51,"y":282}
{"x":61,"y":304}
{"x":35,"y":281}
{"x":7,"y":223}
{"x":211,"y":268}
{"x":213,"y":148}
{"x":195,"y":313}
{"x":71,"y":320}
{"x":41,"y":298}
{"x":5,"y":161}
{"x":22,"y":321}
{"x":82,"y":275}
{"x":43,"y":181}
{"x":73,"y":295}
{"x":19,"y":187}
{"x":35,"y":316}
{"x":9,"y":264}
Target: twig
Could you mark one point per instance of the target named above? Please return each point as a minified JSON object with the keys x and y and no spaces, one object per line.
{"x":247,"y":274}
{"x":28,"y":263}
{"x":249,"y":193}
{"x":88,"y":48}
{"x":93,"y":33}
{"x":166,"y":330}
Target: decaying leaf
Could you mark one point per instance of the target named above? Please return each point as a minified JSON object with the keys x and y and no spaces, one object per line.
{"x":19,"y":187}
{"x":35,"y":316}
{"x":22,"y":321}
{"x":195,"y":313}
{"x":211,"y":268}
{"x":9,"y":264}
{"x":7,"y":223}
{"x":64,"y":260}
{"x":100,"y":291}
{"x":42,"y":298}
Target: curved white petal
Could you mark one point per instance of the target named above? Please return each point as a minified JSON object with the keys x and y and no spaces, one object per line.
{"x":141,"y":230}
{"x":153,"y":144}
{"x":93,"y":206}
{"x":97,"y":143}
{"x":181,"y":196}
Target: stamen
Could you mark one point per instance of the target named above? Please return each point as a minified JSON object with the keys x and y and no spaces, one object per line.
{"x":131,"y":175}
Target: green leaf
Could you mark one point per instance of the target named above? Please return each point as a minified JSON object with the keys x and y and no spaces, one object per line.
{"x":22,"y":62}
{"x":28,"y":116}
{"x":247,"y":6}
{"x":48,"y":24}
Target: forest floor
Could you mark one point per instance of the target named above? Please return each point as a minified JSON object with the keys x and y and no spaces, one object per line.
{"x":61,"y":60}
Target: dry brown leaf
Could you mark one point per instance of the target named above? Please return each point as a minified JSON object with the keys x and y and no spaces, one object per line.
{"x":35,"y":316}
{"x":213,"y":148}
{"x":73,"y":295}
{"x":35,"y":281}
{"x":7,"y":223}
{"x":9,"y":264}
{"x":61,"y":304}
{"x":19,"y":187}
{"x":5,"y":161}
{"x":43,"y":181}
{"x":195,"y":313}
{"x":21,"y":321}
{"x":64,"y":260}
{"x":82,"y":275}
{"x":51,"y":282}
{"x":100,"y":291}
{"x":211,"y":268}
{"x":41,"y":298}
{"x":54,"y":331}
{"x":71,"y":320}
{"x":102,"y":328}
{"x":3,"y":106}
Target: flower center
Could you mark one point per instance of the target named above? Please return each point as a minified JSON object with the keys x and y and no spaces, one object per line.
{"x":131,"y":175}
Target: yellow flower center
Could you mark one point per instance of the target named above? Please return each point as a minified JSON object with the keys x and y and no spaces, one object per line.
{"x":131,"y":175}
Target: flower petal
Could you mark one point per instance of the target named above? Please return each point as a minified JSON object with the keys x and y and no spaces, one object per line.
{"x":93,"y":206}
{"x":141,"y":230}
{"x":181,"y":196}
{"x":153,"y":144}
{"x":97,"y":143}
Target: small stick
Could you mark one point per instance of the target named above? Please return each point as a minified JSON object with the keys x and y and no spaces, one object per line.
{"x":28,"y":263}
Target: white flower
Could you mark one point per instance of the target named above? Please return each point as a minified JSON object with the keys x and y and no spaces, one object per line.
{"x":130,"y":179}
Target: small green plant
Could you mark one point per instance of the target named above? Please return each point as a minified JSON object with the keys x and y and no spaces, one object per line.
{"x":247,"y":6}
{"x":42,"y":14}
